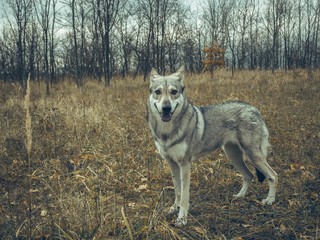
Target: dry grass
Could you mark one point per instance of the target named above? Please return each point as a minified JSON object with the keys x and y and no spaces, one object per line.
{"x":95,"y":173}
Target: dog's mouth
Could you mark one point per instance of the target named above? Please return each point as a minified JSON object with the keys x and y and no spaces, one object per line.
{"x":166,"y":113}
{"x":166,"y":116}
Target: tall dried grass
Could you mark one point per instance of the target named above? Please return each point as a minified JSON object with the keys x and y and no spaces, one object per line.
{"x":28,"y":119}
{"x":28,"y":143}
{"x":96,"y":174}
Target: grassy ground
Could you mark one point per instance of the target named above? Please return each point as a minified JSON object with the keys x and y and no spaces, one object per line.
{"x":94,"y":172}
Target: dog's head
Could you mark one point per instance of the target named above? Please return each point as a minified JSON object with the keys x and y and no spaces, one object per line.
{"x":166,"y":94}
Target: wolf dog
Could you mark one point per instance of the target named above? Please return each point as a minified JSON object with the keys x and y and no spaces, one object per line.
{"x":183,"y":133}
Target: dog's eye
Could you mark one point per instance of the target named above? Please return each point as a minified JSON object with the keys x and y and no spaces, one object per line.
{"x":174,"y":92}
{"x":157,"y":92}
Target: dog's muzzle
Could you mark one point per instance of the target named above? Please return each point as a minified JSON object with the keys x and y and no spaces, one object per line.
{"x":166,"y":113}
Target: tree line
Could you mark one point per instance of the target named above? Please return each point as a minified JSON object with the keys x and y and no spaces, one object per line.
{"x":53,"y":39}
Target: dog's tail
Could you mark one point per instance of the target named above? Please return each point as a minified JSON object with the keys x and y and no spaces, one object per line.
{"x":260,"y":176}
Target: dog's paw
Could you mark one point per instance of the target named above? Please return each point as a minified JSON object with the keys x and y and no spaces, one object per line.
{"x":269,"y":200}
{"x":182,"y":217}
{"x":180,"y":222}
{"x":243,"y":190}
{"x":238,"y":195}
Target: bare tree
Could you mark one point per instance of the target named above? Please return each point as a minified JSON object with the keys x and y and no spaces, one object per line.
{"x":33,"y":41}
{"x":97,"y":35}
{"x":52,"y":41}
{"x":316,"y":36}
{"x":288,"y":29}
{"x":217,"y":17}
{"x":312,"y":23}
{"x":147,"y":14}
{"x":109,"y":13}
{"x":125,"y":38}
{"x":46,"y":15}
{"x":275,"y":19}
{"x":21,"y":10}
{"x":75,"y":43}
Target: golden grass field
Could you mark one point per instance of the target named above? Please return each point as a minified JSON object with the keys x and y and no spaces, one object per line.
{"x":94,"y":173}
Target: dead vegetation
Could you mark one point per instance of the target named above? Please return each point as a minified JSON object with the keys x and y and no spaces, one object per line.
{"x":94,"y":172}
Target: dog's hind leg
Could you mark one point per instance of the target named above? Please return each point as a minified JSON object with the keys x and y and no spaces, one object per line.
{"x":175,"y":172}
{"x":262,"y":165}
{"x":235,"y":155}
{"x":258,"y":157}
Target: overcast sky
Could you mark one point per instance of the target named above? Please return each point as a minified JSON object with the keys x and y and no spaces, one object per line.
{"x":195,"y":6}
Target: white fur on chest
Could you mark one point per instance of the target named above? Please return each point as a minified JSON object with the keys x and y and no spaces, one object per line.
{"x":175,"y":153}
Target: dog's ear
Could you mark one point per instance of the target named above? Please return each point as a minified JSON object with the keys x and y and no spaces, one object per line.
{"x":181,"y":69}
{"x":180,"y":74}
{"x":153,"y":74}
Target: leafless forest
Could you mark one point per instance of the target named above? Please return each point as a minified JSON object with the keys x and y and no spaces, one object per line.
{"x":52,"y":39}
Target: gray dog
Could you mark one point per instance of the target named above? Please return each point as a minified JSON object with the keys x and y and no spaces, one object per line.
{"x":183,"y":133}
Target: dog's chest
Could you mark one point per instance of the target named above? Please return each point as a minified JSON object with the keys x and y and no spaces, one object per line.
{"x":175,"y":152}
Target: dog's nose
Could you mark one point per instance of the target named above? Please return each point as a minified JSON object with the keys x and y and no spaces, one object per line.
{"x":166,"y":109}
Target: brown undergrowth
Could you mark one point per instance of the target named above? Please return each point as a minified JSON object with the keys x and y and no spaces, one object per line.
{"x":94,"y":172}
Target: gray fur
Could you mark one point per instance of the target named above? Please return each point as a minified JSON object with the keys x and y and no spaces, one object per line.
{"x":183,"y":133}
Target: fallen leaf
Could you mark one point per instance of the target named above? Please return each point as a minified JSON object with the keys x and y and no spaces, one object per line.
{"x":43,"y":213}
{"x":143,"y":187}
{"x":200,"y":230}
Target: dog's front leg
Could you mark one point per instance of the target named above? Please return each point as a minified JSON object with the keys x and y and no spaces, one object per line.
{"x":185,"y":188}
{"x":175,"y":171}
